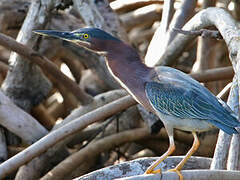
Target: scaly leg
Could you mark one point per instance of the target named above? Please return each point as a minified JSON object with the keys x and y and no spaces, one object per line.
{"x":150,"y":170}
{"x":193,"y":149}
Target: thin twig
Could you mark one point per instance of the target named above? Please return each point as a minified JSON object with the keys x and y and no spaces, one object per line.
{"x":205,"y":33}
{"x":101,"y":129}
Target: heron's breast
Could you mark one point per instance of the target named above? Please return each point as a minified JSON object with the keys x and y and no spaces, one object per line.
{"x":196,"y":125}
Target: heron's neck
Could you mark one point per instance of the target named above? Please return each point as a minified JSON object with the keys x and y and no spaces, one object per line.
{"x":127,"y":68}
{"x":125,"y":64}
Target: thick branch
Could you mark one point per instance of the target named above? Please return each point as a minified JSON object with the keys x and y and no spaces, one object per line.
{"x":190,"y":175}
{"x":139,"y":166}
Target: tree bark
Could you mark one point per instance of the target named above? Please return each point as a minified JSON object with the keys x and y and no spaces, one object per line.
{"x":25,"y":84}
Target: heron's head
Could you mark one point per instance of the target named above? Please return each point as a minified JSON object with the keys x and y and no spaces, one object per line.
{"x":91,"y":38}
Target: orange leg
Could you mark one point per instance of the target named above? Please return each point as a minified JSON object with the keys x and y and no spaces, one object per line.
{"x":170,"y":150}
{"x":194,"y":148}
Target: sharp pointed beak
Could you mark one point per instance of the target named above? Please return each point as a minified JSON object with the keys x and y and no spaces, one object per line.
{"x":68,"y":36}
{"x":65,"y":35}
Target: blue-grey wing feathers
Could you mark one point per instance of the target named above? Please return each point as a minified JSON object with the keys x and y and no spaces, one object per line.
{"x":184,"y":100}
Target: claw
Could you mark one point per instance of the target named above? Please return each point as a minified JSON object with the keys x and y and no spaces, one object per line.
{"x":178,"y":172}
{"x":150,"y":170}
{"x":158,"y":171}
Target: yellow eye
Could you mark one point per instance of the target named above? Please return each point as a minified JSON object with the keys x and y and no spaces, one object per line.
{"x":86,"y":36}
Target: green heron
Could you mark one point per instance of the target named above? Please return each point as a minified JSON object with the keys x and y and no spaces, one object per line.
{"x":179,"y":101}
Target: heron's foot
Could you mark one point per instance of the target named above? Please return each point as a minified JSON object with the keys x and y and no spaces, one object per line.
{"x":151,"y":171}
{"x":178,"y":172}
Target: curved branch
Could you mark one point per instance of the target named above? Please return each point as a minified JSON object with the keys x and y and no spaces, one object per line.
{"x":138,"y":167}
{"x":208,"y":17}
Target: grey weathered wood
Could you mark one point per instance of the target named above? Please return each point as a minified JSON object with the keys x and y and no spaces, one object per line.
{"x":190,"y":175}
{"x":18,"y":121}
{"x":234,"y":155}
{"x":138,"y":167}
{"x":153,"y":49}
{"x":220,"y":157}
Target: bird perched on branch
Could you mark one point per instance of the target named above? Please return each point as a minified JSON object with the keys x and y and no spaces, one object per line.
{"x":179,"y":101}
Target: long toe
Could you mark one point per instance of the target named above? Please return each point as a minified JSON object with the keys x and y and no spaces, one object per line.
{"x":178,"y":172}
{"x":151,"y":171}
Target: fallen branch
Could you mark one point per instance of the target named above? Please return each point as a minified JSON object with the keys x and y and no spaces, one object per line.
{"x":233,"y":102}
